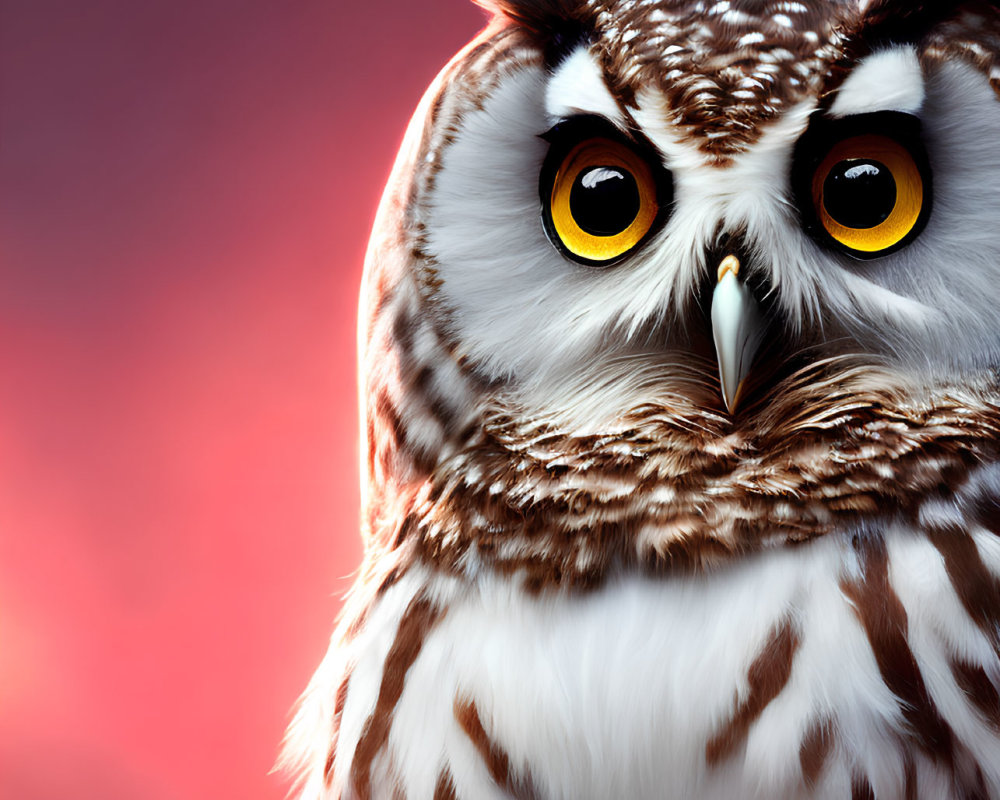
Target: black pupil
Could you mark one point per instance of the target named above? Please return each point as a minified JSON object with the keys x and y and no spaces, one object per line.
{"x":859,"y":193}
{"x":604,"y":200}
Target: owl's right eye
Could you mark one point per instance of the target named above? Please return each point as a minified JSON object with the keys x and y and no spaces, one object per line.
{"x":602,"y":195}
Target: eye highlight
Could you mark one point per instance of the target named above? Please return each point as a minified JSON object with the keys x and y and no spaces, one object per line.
{"x":601,"y":196}
{"x":865,"y":183}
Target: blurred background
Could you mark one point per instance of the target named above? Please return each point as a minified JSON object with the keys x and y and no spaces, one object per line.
{"x":186,"y":189}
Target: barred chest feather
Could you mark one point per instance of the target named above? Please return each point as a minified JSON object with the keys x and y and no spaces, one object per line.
{"x":860,"y":664}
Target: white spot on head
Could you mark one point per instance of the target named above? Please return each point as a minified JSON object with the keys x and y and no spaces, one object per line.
{"x":750,"y":38}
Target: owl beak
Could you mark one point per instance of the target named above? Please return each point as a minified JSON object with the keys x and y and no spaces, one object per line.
{"x":737,"y":327}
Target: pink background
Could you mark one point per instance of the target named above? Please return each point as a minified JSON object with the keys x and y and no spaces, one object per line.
{"x":185,"y":194}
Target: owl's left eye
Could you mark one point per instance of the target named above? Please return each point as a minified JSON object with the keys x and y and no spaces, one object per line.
{"x":602,"y":196}
{"x":864,"y":184}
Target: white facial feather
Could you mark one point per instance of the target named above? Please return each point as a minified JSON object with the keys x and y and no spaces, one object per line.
{"x":577,"y":87}
{"x":524,"y":312}
{"x":520,"y":308}
{"x":890,"y":80}
{"x":953,"y":267}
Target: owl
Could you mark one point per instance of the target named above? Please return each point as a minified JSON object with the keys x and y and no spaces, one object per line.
{"x":679,"y":346}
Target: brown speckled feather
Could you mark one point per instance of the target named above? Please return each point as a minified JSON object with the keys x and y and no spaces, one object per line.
{"x":676,"y":487}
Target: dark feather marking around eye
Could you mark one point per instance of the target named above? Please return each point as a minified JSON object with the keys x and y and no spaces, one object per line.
{"x":564,"y":39}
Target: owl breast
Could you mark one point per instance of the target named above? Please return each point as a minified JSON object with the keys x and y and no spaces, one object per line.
{"x":852,"y":666}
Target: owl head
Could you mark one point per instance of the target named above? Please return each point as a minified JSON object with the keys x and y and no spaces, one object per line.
{"x":726,"y":214}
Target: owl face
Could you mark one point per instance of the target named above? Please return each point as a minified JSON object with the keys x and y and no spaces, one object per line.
{"x":639,"y":202}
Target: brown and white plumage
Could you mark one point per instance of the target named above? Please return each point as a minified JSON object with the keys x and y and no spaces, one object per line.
{"x":590,"y":570}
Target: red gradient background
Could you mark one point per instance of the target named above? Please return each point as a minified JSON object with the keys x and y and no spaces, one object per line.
{"x":185,"y":195}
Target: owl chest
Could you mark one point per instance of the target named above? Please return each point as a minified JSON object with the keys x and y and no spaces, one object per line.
{"x":757,"y":681}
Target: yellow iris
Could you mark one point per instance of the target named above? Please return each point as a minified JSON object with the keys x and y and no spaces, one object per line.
{"x":607,"y":244}
{"x":909,"y":187}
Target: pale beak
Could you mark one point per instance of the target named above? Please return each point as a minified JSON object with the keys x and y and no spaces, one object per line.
{"x":737,"y":327}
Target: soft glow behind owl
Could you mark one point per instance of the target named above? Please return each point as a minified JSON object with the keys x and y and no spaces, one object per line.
{"x":679,"y":345}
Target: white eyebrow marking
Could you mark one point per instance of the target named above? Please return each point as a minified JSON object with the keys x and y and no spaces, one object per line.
{"x":577,"y":87}
{"x":890,"y":80}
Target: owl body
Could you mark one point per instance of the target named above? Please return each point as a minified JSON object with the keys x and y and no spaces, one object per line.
{"x":679,"y":372}
{"x":758,"y":683}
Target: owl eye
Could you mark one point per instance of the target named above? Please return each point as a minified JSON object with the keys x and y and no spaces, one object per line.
{"x":601,"y":195}
{"x":868,"y":193}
